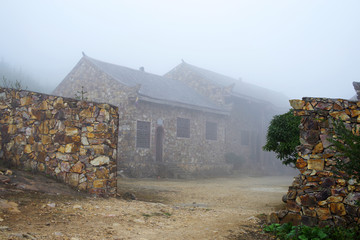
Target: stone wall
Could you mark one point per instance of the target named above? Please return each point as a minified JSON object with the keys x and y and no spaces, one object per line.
{"x":73,"y":141}
{"x":194,"y":155}
{"x":201,"y":84}
{"x":322,"y":194}
{"x":247,"y":124}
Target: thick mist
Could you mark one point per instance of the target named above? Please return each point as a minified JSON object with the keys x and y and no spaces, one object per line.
{"x":299,"y":48}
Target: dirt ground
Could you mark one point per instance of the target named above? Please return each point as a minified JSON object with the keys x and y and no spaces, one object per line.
{"x":33,"y":207}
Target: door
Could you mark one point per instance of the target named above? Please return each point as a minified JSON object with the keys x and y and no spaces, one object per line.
{"x":159,"y":143}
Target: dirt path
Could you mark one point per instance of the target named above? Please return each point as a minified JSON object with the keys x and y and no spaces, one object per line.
{"x":175,"y":209}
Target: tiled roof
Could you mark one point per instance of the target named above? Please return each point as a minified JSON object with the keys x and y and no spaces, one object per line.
{"x":158,"y":88}
{"x":241,"y":88}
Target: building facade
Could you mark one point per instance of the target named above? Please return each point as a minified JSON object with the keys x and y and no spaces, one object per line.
{"x":252,"y":108}
{"x":166,"y":128}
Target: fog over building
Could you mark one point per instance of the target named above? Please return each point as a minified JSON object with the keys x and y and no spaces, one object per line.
{"x":299,"y":48}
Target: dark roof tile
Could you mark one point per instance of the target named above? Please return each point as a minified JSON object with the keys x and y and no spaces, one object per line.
{"x":157,"y":87}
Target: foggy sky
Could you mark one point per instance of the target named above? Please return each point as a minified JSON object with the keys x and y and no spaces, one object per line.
{"x":297,"y":47}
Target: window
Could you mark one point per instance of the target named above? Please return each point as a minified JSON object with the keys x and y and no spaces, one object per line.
{"x":245,"y":137}
{"x":183,"y":128}
{"x":143,"y":134}
{"x":211,"y":131}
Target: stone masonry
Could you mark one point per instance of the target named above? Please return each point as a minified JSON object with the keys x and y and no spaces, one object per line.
{"x":73,"y":141}
{"x":321,"y":195}
{"x":194,"y":156}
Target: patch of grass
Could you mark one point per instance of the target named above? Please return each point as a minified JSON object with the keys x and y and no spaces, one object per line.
{"x":289,"y":232}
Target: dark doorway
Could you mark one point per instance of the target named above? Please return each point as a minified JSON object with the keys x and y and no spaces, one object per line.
{"x":159,"y":143}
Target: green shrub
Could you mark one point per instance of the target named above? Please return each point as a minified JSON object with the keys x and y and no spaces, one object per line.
{"x":283,"y":136}
{"x":347,"y":146}
{"x":289,"y":232}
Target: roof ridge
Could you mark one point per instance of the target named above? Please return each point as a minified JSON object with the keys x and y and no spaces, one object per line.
{"x":128,"y":68}
{"x":154,"y":86}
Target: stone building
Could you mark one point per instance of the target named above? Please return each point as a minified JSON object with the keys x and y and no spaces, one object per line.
{"x":166,"y":128}
{"x":252,"y":108}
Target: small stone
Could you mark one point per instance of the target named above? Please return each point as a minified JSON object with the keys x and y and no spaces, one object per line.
{"x":27,"y":149}
{"x":52,"y":205}
{"x":45,"y":139}
{"x":98,"y":149}
{"x":309,"y":107}
{"x":308,"y":200}
{"x":334,"y":199}
{"x":318,"y":148}
{"x":324,"y":106}
{"x":84,"y":141}
{"x":341,"y":182}
{"x":12,"y":129}
{"x":352,"y":198}
{"x":282,"y":213}
{"x":59,"y":103}
{"x":99,"y":183}
{"x":309,"y":211}
{"x":300,"y":163}
{"x":338,"y":209}
{"x":77,"y":167}
{"x":291,"y":195}
{"x":297,"y":104}
{"x":316,"y":164}
{"x":355,"y":113}
{"x":90,"y":135}
{"x":101,"y":160}
{"x":25,"y":101}
{"x":102,"y":173}
{"x":325,"y":140}
{"x":73,"y":179}
{"x":77,"y":206}
{"x":69,"y":147}
{"x":323,"y":213}
{"x":292,"y":206}
{"x":340,"y":115}
{"x":86,"y":113}
{"x":273,"y":218}
{"x":352,"y":181}
{"x":70,"y":131}
{"x":65,"y":166}
{"x":328,"y":182}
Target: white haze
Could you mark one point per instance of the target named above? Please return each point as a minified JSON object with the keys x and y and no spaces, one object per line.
{"x":297,"y":47}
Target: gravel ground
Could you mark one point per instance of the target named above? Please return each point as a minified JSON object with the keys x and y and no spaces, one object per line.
{"x":223,"y":208}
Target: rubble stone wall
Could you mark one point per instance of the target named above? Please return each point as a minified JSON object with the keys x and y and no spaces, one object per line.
{"x":73,"y":141}
{"x":322,"y":195}
{"x":195,"y":155}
